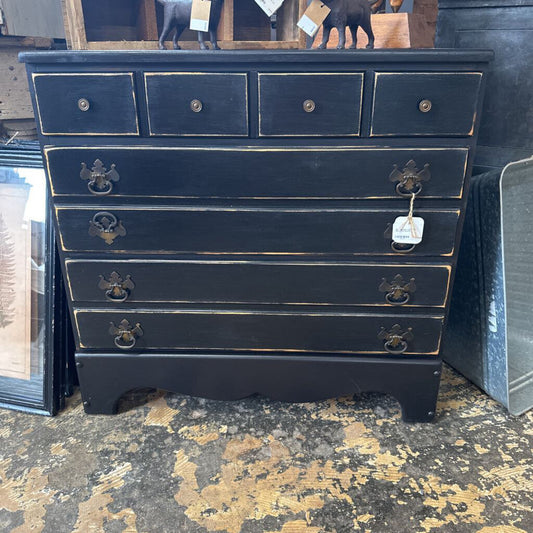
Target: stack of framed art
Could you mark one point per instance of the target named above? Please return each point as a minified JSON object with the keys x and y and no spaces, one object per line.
{"x":35,"y":371}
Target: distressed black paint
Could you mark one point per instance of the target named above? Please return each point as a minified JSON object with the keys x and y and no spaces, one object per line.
{"x":239,"y":242}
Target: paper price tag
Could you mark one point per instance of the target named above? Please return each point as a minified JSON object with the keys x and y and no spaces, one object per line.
{"x":200,"y":11}
{"x":269,"y":6}
{"x":408,"y":232}
{"x":313,"y":17}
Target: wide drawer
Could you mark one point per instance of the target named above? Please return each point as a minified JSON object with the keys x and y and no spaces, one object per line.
{"x":248,"y":172}
{"x":425,"y":103}
{"x":100,"y":103}
{"x":249,"y":330}
{"x":310,"y":104}
{"x":203,"y":229}
{"x":256,"y":282}
{"x":194,"y":103}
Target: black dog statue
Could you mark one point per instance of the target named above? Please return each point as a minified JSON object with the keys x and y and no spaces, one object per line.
{"x":351,"y":13}
{"x":177,"y":14}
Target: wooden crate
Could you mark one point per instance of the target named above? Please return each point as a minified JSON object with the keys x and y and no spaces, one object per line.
{"x":136,"y":24}
{"x":391,"y":30}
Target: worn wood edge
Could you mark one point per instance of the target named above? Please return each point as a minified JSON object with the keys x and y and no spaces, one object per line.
{"x":192,"y":45}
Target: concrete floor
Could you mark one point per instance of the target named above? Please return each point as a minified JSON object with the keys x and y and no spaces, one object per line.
{"x":170,"y":463}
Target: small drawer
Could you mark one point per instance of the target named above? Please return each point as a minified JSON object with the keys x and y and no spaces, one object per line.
{"x":86,"y":104}
{"x":319,"y":332}
{"x":411,"y":104}
{"x":325,"y":104}
{"x":257,"y":282}
{"x":247,"y":172}
{"x":197,"y":104}
{"x":241,"y":230}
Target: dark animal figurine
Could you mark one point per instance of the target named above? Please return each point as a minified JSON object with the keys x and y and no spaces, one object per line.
{"x":177,"y":14}
{"x":351,"y":13}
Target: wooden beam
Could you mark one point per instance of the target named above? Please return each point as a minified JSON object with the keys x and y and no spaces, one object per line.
{"x":74,"y":24}
{"x":225,"y":26}
{"x":15,"y":101}
{"x":302,"y":36}
{"x":147,"y":21}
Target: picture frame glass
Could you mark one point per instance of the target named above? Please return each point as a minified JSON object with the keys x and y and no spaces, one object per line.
{"x":25,"y":267}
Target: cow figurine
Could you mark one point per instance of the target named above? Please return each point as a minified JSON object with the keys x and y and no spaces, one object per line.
{"x":351,"y":13}
{"x":177,"y":15}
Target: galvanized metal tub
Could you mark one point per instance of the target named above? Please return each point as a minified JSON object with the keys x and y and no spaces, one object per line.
{"x":489,"y":337}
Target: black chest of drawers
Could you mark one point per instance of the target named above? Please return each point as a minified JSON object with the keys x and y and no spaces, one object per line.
{"x":225,"y":218}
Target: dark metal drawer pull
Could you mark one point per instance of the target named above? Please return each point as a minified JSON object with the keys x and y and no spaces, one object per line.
{"x":83,"y":104}
{"x":116,"y":289}
{"x":196,"y":105}
{"x":396,"y":246}
{"x":309,"y":106}
{"x":99,"y":179}
{"x":425,"y":106}
{"x":410,"y":178}
{"x":402,"y":248}
{"x":397,"y":292}
{"x":125,"y":335}
{"x":396,"y":340}
{"x":106,"y":226}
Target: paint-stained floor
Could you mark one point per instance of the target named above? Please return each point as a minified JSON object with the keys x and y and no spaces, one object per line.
{"x":170,"y":463}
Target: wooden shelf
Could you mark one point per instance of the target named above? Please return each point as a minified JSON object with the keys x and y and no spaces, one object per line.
{"x":136,"y":24}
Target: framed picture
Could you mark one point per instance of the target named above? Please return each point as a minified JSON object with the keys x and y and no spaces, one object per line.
{"x":36,"y":369}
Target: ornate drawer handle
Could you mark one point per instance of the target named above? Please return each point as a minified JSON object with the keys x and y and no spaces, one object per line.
{"x":425,"y":106}
{"x":99,"y":179}
{"x":397,"y":292}
{"x":106,"y":226}
{"x":409,"y":180}
{"x":125,"y":335}
{"x":402,"y":248}
{"x":83,"y":104}
{"x":396,"y":246}
{"x":116,"y":289}
{"x":396,"y":340}
{"x":309,"y":106}
{"x":196,"y":105}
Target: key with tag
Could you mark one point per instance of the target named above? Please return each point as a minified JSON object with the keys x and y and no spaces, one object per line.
{"x":200,"y":12}
{"x":409,"y":229}
{"x":313,"y":17}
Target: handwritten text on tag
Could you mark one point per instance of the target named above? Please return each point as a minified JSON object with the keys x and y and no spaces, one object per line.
{"x":408,"y":230}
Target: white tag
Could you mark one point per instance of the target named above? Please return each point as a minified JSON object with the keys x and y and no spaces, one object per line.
{"x":307,"y":25}
{"x":269,"y":6}
{"x":199,"y":25}
{"x":200,"y":12}
{"x":313,"y":17}
{"x":403,"y":232}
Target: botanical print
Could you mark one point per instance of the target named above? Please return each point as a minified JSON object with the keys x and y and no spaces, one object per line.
{"x":15,"y":278}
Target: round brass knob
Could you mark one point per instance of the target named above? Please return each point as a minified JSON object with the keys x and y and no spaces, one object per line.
{"x":309,"y":106}
{"x":425,"y":106}
{"x":83,"y":104}
{"x":196,"y":105}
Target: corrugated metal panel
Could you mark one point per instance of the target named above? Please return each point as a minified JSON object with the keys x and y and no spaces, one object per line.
{"x":29,"y":18}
